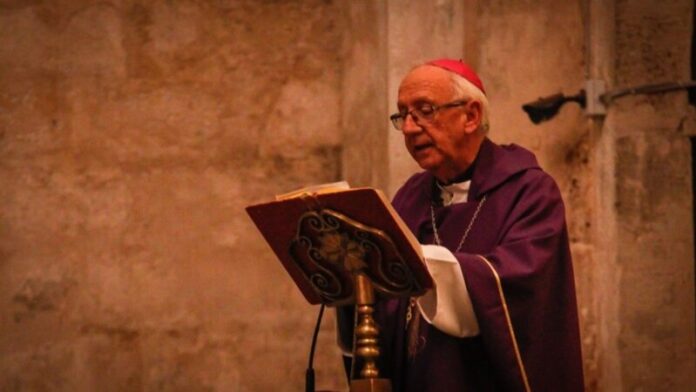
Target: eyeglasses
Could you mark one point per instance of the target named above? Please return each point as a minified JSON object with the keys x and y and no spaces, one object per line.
{"x":423,"y":114}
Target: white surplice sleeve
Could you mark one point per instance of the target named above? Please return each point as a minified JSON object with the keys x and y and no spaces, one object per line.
{"x":447,"y":306}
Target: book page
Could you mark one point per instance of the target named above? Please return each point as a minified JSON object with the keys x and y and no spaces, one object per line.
{"x":402,"y":225}
{"x":315,"y":189}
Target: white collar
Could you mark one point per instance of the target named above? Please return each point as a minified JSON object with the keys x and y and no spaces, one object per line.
{"x":457,"y":192}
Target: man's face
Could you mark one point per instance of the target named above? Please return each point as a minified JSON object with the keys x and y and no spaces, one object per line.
{"x":443,"y":145}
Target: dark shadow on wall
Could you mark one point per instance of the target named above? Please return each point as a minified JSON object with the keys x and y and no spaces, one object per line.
{"x":692,"y":91}
{"x":692,"y":101}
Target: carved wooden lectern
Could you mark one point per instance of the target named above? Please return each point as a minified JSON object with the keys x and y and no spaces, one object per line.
{"x":344,"y":248}
{"x":346,"y":262}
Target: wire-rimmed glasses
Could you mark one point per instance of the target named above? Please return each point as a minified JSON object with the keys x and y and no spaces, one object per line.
{"x":423,"y":114}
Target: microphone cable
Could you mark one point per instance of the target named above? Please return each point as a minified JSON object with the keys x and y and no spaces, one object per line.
{"x":309,"y":374}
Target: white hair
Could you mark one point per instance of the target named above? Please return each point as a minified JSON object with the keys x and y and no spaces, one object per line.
{"x":464,"y":89}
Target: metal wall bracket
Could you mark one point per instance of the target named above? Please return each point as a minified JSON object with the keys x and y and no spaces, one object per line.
{"x":594,"y":89}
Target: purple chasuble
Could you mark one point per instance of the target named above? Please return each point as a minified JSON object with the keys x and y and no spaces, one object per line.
{"x":517,"y":266}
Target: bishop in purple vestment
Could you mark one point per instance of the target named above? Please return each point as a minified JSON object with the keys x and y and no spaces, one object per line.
{"x":503,"y":316}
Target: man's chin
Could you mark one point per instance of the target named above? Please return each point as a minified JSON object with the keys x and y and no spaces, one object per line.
{"x":434,"y":167}
{"x":428,"y":165}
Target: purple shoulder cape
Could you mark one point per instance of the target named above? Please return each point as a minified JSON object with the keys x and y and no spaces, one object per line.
{"x":517,"y":266}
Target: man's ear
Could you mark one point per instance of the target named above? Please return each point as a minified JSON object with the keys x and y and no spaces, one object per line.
{"x":474,"y":116}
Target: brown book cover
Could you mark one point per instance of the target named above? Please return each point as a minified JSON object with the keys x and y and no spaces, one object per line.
{"x":319,"y":234}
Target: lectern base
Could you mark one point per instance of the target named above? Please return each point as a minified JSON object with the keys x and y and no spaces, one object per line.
{"x":370,"y":385}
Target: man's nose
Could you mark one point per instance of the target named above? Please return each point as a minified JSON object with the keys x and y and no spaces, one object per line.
{"x":410,"y":125}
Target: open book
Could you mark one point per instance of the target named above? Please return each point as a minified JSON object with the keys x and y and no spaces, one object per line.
{"x":322,"y":234}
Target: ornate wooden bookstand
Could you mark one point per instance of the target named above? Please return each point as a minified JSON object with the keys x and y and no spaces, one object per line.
{"x":346,"y":262}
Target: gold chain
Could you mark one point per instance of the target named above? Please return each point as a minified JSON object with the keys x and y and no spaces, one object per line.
{"x":466,"y":232}
{"x":412,"y":300}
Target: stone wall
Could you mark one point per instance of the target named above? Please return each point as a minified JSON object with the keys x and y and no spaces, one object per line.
{"x":132,"y":135}
{"x":653,"y":199}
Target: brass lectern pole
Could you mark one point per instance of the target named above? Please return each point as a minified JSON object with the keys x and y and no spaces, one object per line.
{"x":366,"y":342}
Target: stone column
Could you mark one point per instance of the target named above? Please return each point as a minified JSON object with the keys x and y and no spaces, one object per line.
{"x":601,"y":355}
{"x":418,"y":31}
{"x":645,"y":281}
{"x":364,"y":104}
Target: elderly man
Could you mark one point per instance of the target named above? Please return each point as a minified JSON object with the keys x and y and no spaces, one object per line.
{"x":503,"y":314}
